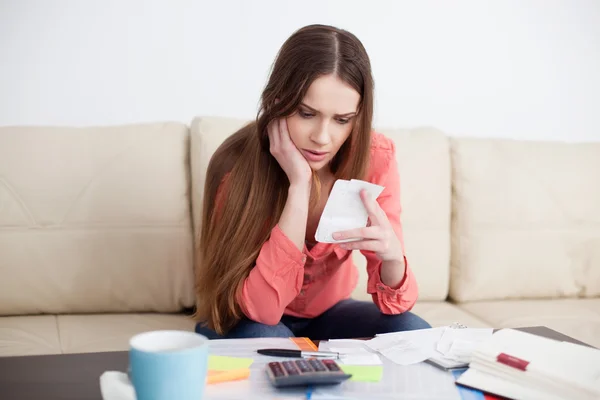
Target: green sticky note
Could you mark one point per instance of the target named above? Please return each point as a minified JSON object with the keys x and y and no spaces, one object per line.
{"x":363,"y":373}
{"x":223,"y":363}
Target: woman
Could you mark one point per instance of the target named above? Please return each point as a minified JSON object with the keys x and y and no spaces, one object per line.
{"x":259,"y":271}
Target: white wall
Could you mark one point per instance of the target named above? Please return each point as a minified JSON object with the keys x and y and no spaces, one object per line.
{"x":522,"y":69}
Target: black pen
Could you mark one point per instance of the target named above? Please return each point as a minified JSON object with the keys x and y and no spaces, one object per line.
{"x":298,"y":353}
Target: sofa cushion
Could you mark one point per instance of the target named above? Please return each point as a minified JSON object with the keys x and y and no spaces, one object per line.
{"x":526,"y":220}
{"x":111,"y":332}
{"x":442,"y":313}
{"x":578,"y":318}
{"x":28,"y":336}
{"x":95,"y":219}
{"x":424,"y":164}
{"x":50,"y":334}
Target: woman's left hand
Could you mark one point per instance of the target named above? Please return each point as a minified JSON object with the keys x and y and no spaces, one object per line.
{"x":378,"y":237}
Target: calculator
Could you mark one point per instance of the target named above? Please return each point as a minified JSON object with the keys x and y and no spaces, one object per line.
{"x":305,"y":372}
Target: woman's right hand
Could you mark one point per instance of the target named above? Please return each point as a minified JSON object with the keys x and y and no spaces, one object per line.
{"x":287,"y":154}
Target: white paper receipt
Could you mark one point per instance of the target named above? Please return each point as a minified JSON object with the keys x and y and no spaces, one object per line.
{"x":344,"y":209}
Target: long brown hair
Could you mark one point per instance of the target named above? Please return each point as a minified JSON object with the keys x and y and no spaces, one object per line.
{"x":234,"y":229}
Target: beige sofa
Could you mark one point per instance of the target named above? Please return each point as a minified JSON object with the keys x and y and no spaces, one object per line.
{"x":97,"y":228}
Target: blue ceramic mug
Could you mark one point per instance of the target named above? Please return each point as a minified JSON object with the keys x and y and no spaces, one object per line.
{"x":167,"y":365}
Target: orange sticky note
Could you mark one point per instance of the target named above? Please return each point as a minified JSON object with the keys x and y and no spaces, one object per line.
{"x":214,"y":376}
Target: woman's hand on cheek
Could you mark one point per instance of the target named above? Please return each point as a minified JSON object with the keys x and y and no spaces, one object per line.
{"x":287,"y":154}
{"x":379,"y":237}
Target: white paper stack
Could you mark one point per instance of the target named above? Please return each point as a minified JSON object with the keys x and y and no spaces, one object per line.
{"x":521,"y":365}
{"x":415,"y":382}
{"x":408,"y":347}
{"x":344,"y":209}
{"x":456,"y":346}
{"x":446,"y":347}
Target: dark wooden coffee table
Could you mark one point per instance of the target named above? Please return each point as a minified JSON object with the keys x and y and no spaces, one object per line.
{"x":77,"y":376}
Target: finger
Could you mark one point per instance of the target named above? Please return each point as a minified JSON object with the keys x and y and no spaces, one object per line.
{"x":274,"y":139}
{"x":370,"y":232}
{"x":283,"y":126}
{"x":283,"y":133}
{"x":367,"y":245}
{"x":286,"y":140}
{"x":372,"y":206}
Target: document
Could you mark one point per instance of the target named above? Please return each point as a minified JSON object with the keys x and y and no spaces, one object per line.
{"x":419,"y":381}
{"x":258,"y":385}
{"x":345,"y":209}
{"x":387,"y":380}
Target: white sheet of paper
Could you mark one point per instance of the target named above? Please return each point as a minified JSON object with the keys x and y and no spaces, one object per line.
{"x":413,"y":382}
{"x":356,"y":356}
{"x":408,"y":347}
{"x":556,"y":369}
{"x":470,"y":335}
{"x":258,"y":386}
{"x":336,"y":342}
{"x":344,"y":209}
{"x":462,"y":350}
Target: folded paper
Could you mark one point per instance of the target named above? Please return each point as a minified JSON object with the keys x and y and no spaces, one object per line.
{"x":344,"y":209}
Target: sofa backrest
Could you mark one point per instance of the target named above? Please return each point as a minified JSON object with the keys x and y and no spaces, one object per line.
{"x":424,"y":163}
{"x":95,"y":219}
{"x":526,"y":219}
{"x":423,"y":159}
{"x":100,"y":219}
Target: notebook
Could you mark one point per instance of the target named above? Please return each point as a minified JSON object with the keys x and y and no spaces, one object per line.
{"x":520,"y":365}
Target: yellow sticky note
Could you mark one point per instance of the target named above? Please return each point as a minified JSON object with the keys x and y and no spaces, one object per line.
{"x":363,"y":373}
{"x":223,"y":363}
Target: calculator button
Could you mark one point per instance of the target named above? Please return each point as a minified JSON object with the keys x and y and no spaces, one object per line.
{"x":331,"y":365}
{"x":303,"y":366}
{"x":317,"y":365}
{"x":290,"y":368}
{"x":276,"y":369}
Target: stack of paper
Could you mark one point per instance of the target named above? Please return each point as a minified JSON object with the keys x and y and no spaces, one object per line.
{"x":383,"y":382}
{"x":447,"y":347}
{"x":456,"y":346}
{"x":520,"y":365}
{"x":388,"y":380}
{"x":408,"y":347}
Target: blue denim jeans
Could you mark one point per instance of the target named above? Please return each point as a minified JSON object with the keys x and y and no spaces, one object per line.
{"x":347,"y":319}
